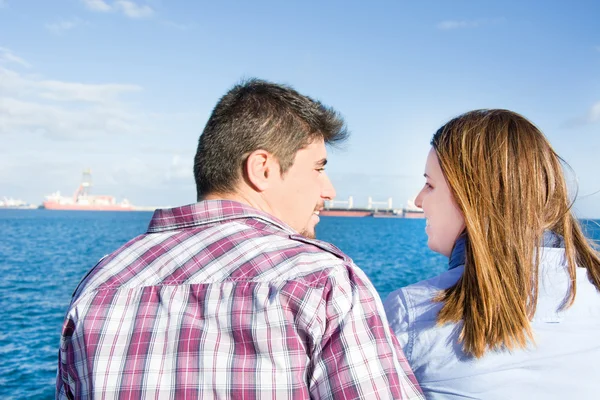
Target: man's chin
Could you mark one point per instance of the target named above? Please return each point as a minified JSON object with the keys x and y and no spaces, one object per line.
{"x":311,"y":226}
{"x":309,"y":234}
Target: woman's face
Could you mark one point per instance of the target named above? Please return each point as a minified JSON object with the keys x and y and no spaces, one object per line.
{"x":445,"y":221}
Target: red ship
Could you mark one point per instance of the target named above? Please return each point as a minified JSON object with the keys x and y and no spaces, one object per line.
{"x":82,"y":200}
{"x":345,"y":212}
{"x":410,"y":211}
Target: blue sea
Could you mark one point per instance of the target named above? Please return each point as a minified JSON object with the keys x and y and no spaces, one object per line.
{"x":44,"y":254}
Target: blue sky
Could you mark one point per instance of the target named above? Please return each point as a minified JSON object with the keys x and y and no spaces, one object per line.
{"x":125,"y":87}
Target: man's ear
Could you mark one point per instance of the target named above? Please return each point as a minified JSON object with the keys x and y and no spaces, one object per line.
{"x":260,"y":169}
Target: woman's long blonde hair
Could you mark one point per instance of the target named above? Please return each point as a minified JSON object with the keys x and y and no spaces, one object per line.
{"x":510,"y":186}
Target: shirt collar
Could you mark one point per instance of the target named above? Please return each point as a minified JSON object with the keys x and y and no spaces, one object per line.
{"x":208,"y":212}
{"x":553,"y":240}
{"x":458,"y":256}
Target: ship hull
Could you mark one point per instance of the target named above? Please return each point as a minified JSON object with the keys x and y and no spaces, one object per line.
{"x":345,"y":213}
{"x":370,"y":213}
{"x":48,"y":205}
{"x":387,"y":215}
{"x":414,"y":215}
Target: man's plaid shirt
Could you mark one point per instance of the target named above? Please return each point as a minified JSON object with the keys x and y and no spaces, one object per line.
{"x":220,"y":300}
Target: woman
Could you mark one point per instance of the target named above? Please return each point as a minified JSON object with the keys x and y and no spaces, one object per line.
{"x":517,"y":314}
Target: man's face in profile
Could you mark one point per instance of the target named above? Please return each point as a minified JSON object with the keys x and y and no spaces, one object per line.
{"x":303,"y":189}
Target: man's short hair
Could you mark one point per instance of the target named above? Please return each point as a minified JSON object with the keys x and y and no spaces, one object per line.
{"x":259,"y":115}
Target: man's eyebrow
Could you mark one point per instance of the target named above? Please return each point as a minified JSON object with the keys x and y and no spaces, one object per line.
{"x":321,"y":163}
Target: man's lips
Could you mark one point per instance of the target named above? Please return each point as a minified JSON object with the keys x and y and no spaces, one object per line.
{"x":318,"y":209}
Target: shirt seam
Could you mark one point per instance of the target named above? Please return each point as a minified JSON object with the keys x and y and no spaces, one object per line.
{"x":411,"y":332}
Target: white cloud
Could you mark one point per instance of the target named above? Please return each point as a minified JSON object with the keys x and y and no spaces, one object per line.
{"x":591,"y":117}
{"x":132,"y":10}
{"x":52,"y":129}
{"x":462,"y":24}
{"x":66,"y":110}
{"x":97,"y":5}
{"x":7,"y":56}
{"x":63,"y":25}
{"x":57,"y":121}
{"x":17,"y":85}
{"x":3,"y":3}
{"x":180,"y":169}
{"x":94,"y":93}
{"x":126,"y":7}
{"x":594,"y":113}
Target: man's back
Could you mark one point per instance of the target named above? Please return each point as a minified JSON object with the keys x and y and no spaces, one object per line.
{"x":221,"y":300}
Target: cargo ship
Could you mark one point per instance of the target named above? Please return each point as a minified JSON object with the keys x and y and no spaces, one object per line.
{"x":412,"y":211}
{"x":331,"y":210}
{"x":345,"y":212}
{"x":83,"y":200}
{"x":409,"y":211}
{"x":15,"y":204}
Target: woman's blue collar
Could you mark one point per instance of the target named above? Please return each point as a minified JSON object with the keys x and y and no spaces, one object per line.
{"x":458,"y":256}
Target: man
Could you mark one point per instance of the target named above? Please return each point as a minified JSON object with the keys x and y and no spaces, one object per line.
{"x":232,"y":297}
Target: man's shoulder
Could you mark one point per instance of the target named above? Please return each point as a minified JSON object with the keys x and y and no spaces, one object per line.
{"x":241,"y":249}
{"x":296,"y":257}
{"x":320,"y":247}
{"x":230,"y":221}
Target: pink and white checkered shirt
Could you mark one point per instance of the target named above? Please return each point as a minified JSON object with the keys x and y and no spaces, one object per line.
{"x":219,"y":300}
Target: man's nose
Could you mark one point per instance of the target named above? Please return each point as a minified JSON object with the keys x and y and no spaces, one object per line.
{"x":328,"y":191}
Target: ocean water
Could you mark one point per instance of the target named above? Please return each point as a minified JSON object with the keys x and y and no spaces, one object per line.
{"x":44,"y":254}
